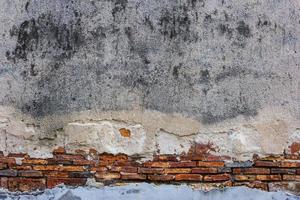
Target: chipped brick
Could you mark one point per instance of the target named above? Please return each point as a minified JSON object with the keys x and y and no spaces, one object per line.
{"x":204,"y":170}
{"x":161,"y":177}
{"x":188,"y":177}
{"x":150,"y":170}
{"x":133,"y":176}
{"x":30,"y":173}
{"x":268,"y":177}
{"x":52,"y":182}
{"x":183,"y":164}
{"x":107,"y":176}
{"x":244,"y":177}
{"x":266,"y":164}
{"x":217,"y":177}
{"x":283,"y":171}
{"x":210,"y":164}
{"x":251,"y":171}
{"x":8,"y":173}
{"x":157,"y":164}
{"x":26,"y":184}
{"x":177,"y":170}
{"x":35,"y":161}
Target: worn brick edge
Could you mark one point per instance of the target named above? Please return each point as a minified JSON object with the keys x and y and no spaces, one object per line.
{"x":19,"y":172}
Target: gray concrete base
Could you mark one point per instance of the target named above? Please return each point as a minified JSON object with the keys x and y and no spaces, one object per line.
{"x":146,"y":191}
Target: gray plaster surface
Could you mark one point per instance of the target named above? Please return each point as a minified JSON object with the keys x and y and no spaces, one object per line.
{"x":210,"y":60}
{"x":149,"y":192}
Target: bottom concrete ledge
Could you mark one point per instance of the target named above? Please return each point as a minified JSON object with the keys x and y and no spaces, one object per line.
{"x":146,"y":191}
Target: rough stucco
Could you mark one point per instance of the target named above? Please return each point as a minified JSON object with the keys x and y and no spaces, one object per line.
{"x":72,"y":73}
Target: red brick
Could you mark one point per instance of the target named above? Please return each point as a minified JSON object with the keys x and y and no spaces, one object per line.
{"x":26,"y":184}
{"x":217,"y":177}
{"x":291,"y":177}
{"x":204,"y":170}
{"x":3,"y":165}
{"x":183,"y":164}
{"x":71,"y":168}
{"x":266,"y":164}
{"x":30,"y":173}
{"x":251,"y":171}
{"x":22,"y":167}
{"x":98,"y":169}
{"x":8,"y":161}
{"x":112,"y":158}
{"x":52,"y":182}
{"x":127,"y":169}
{"x":56,"y":174}
{"x":35,"y":161}
{"x":161,"y":178}
{"x":244,"y":177}
{"x":17,"y":155}
{"x":298,"y":171}
{"x":107,"y":176}
{"x":59,"y":150}
{"x":157,"y":164}
{"x":70,"y":157}
{"x":54,"y":161}
{"x":192,"y":157}
{"x":210,"y":164}
{"x":295,"y":148}
{"x":268,"y":177}
{"x":84,"y":162}
{"x":289,"y":164}
{"x":177,"y":170}
{"x":188,"y":177}
{"x":46,"y":167}
{"x":165,"y":158}
{"x":133,"y":176}
{"x":150,"y":170}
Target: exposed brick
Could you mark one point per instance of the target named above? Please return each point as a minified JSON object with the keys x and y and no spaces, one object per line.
{"x":210,"y":164}
{"x":251,"y":171}
{"x":268,"y":177}
{"x":288,"y":164}
{"x":30,"y":173}
{"x":35,"y":161}
{"x":26,"y":184}
{"x":165,"y":158}
{"x":283,"y":171}
{"x":244,"y":177}
{"x":46,"y":167}
{"x":204,"y":170}
{"x":291,"y":177}
{"x":239,"y":164}
{"x":133,"y":176}
{"x":298,"y":171}
{"x":266,"y":164}
{"x":8,"y":161}
{"x":161,"y":177}
{"x":59,"y":150}
{"x":80,"y":174}
{"x":69,"y":157}
{"x":54,"y":161}
{"x":107,"y":176}
{"x":112,"y":158}
{"x":217,"y":177}
{"x":71,"y":168}
{"x":52,"y":182}
{"x":188,"y":177}
{"x":56,"y":174}
{"x":8,"y":173}
{"x":192,"y":157}
{"x":292,"y":157}
{"x":127,"y":169}
{"x":22,"y":167}
{"x":17,"y":155}
{"x":183,"y":164}
{"x":150,"y":170}
{"x":177,"y":170}
{"x":98,"y":169}
{"x":157,"y":164}
{"x":84,"y":162}
{"x":295,"y":148}
{"x":3,"y":165}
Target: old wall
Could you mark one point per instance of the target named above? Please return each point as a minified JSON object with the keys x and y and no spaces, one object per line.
{"x":145,"y":77}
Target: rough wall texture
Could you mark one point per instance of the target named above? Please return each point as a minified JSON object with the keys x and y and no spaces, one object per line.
{"x":150,"y":76}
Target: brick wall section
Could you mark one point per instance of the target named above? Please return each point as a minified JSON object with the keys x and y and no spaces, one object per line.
{"x":19,"y":172}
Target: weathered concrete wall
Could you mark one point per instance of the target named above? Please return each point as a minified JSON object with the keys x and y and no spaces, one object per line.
{"x":145,"y":76}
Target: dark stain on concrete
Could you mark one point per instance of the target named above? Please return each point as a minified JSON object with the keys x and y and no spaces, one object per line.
{"x":46,"y":37}
{"x":243,"y":29}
